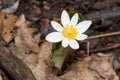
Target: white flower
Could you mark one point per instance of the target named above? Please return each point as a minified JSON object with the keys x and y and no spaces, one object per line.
{"x":69,"y":32}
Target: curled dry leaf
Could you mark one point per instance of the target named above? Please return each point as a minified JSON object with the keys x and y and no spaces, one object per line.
{"x":8,"y":28}
{"x":42,"y":70}
{"x":25,"y":40}
{"x":112,"y":58}
{"x":102,"y":66}
{"x":37,"y":62}
{"x":91,"y":68}
{"x":36,"y":56}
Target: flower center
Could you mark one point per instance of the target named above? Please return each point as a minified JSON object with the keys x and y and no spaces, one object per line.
{"x":69,"y":32}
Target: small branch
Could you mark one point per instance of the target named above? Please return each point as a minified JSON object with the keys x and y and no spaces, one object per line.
{"x":106,"y":48}
{"x":99,"y":36}
{"x":104,"y":35}
{"x":12,"y":65}
{"x":88,"y":48}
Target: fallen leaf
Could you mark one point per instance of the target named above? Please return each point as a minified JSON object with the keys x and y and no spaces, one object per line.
{"x":42,"y":70}
{"x":2,"y":17}
{"x":56,"y":19}
{"x":91,"y":68}
{"x":44,"y":21}
{"x":38,"y":62}
{"x":25,"y":40}
{"x":8,"y":28}
{"x":36,"y":55}
{"x":28,"y":50}
{"x":103,"y":67}
{"x":112,"y":58}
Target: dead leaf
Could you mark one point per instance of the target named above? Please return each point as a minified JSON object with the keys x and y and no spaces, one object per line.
{"x":8,"y":28}
{"x":81,"y":71}
{"x":91,"y":68}
{"x":44,"y":21}
{"x":25,"y":40}
{"x":103,"y":67}
{"x":37,"y":62}
{"x":29,"y":51}
{"x":112,"y":58}
{"x":2,"y":16}
{"x":56,"y":19}
{"x":41,"y":70}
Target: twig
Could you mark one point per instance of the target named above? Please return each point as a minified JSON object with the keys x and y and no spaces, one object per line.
{"x":99,"y":36}
{"x":106,"y":48}
{"x":104,"y":35}
{"x":88,"y":48}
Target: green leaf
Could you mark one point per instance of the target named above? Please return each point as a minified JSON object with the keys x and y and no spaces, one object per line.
{"x":58,"y":55}
{"x":73,"y":11}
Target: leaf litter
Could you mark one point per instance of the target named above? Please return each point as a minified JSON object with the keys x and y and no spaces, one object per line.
{"x":34,"y":51}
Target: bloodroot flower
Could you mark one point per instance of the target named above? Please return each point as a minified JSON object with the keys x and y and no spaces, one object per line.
{"x":69,"y":32}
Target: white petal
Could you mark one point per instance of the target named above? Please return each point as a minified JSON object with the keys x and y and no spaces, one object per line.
{"x":56,"y":26}
{"x":81,"y":37}
{"x":74,"y":44}
{"x":65,"y":42}
{"x":65,"y":19}
{"x":74,"y":20}
{"x":83,"y":26}
{"x":54,"y":37}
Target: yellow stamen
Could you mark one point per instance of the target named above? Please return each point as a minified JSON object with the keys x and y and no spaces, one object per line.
{"x":69,"y":32}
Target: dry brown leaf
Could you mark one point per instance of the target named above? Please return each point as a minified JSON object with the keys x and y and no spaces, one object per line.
{"x":8,"y":28}
{"x":56,"y":19}
{"x":36,"y":56}
{"x":113,"y":59}
{"x":44,"y":21}
{"x":91,"y":68}
{"x":81,"y":71}
{"x":37,"y":62}
{"x":41,"y":70}
{"x":103,"y":67}
{"x":2,"y":16}
{"x":25,"y":40}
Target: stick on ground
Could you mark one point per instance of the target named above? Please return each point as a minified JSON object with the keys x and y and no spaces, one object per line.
{"x":12,"y":65}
